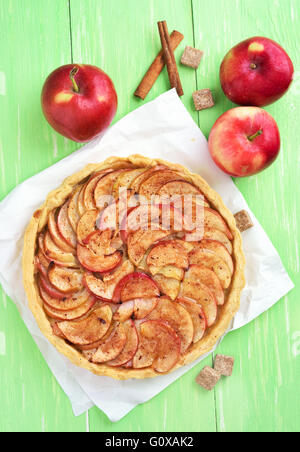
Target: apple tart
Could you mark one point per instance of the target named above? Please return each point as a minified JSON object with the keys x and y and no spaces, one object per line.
{"x":133,"y":267}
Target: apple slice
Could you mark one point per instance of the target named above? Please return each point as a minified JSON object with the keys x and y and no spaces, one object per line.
{"x":124,"y":311}
{"x":87,"y":225}
{"x":199,"y":292}
{"x":180,"y":188}
{"x":105,"y":289}
{"x":219,"y":249}
{"x":111,"y":347}
{"x":197,"y":316}
{"x":212,"y":261}
{"x":56,"y":236}
{"x":135,"y":285}
{"x":72,"y":314}
{"x":167,"y":344}
{"x":104,"y":187}
{"x":64,"y":226}
{"x":204,"y":275}
{"x":88,"y":195}
{"x":219,"y":236}
{"x":135,"y":184}
{"x":80,"y":202}
{"x":42,"y":260}
{"x":53,"y":253}
{"x":177,"y":317}
{"x":96,"y":263}
{"x":140,"y":241}
{"x":101,"y":242}
{"x":144,"y":306}
{"x":88,"y":330}
{"x":169,"y":271}
{"x":145,"y":353}
{"x":48,"y":288}
{"x":168,"y":286}
{"x":166,"y":253}
{"x":213,"y":220}
{"x":125,"y":179}
{"x":73,"y":214}
{"x":130,"y":348}
{"x":67,"y":280}
{"x":155,"y":181}
{"x":60,"y":301}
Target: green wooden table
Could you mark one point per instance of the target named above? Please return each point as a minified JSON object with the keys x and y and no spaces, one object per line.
{"x":121,"y":37}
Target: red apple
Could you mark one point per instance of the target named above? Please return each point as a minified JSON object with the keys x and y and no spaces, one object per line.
{"x":79,"y":101}
{"x":257,"y":72}
{"x":244,"y":141}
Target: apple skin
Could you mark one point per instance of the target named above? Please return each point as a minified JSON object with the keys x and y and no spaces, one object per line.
{"x":80,"y":116}
{"x":256,"y":72}
{"x":231,"y":148}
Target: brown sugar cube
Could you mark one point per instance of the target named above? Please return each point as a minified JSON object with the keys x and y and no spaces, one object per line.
{"x":203,"y":99}
{"x":191,"y":57}
{"x":224,"y":365}
{"x":243,"y":220}
{"x":208,"y":378}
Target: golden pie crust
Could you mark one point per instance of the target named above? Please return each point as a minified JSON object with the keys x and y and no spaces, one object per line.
{"x":57,"y":197}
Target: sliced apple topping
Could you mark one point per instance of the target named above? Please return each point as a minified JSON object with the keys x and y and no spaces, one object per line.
{"x":140,"y":241}
{"x":219,"y":249}
{"x":212,"y":261}
{"x":135,"y":285}
{"x":53,"y":253}
{"x":88,"y":330}
{"x":88,"y":195}
{"x":104,"y":289}
{"x":124,"y":311}
{"x":73,"y":214}
{"x":167,"y":253}
{"x":156,"y":180}
{"x":125,"y":179}
{"x":195,"y":290}
{"x":197,"y":316}
{"x":181,"y":188}
{"x":65,"y":279}
{"x":80,"y":202}
{"x":56,"y":236}
{"x":168,"y":286}
{"x":95,"y":262}
{"x":135,"y":184}
{"x":204,"y":275}
{"x":111,"y":347}
{"x":132,"y":342}
{"x":60,"y":301}
{"x":219,"y":236}
{"x":177,"y":317}
{"x":104,"y":188}
{"x":167,"y":351}
{"x":71,"y":314}
{"x":65,"y":227}
{"x":86,"y":225}
{"x":169,"y":271}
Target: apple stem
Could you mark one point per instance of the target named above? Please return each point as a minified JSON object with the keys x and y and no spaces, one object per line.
{"x":252,"y":137}
{"x":253,"y":66}
{"x":72,"y":74}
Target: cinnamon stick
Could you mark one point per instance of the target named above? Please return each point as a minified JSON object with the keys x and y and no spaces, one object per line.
{"x":156,"y":67}
{"x":169,"y":57}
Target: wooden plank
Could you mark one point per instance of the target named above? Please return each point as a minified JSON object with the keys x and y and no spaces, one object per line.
{"x":122,"y":38}
{"x":263,"y":394}
{"x":35,"y":40}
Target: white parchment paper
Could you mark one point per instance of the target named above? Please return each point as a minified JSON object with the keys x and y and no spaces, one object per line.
{"x":162,"y":128}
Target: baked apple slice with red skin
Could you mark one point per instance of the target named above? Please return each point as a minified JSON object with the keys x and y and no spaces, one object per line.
{"x":140,"y":241}
{"x":177,"y":317}
{"x":53,"y":253}
{"x":199,"y":292}
{"x":88,"y":330}
{"x":66,"y":280}
{"x":73,"y":214}
{"x":124,"y":311}
{"x":169,"y":252}
{"x":101,"y":242}
{"x":216,"y":235}
{"x":219,"y":249}
{"x":167,"y":351}
{"x":104,"y":289}
{"x":145,"y":353}
{"x":65,"y":227}
{"x":144,"y":306}
{"x":204,"y":275}
{"x":111,"y":347}
{"x":213,"y":220}
{"x":88,"y":195}
{"x":80,"y":203}
{"x":72,"y":314}
{"x":179,"y":188}
{"x":130,"y":348}
{"x":135,"y":285}
{"x":56,"y":236}
{"x":96,"y":263}
{"x":104,"y":187}
{"x":87,"y":225}
{"x":136,"y":183}
{"x":49,"y":288}
{"x":197,"y":316}
{"x":41,"y":265}
{"x":62,"y":302}
{"x":170,"y":271}
{"x":168,"y":286}
{"x":125,"y":179}
{"x":156,"y":180}
{"x":212,"y":261}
